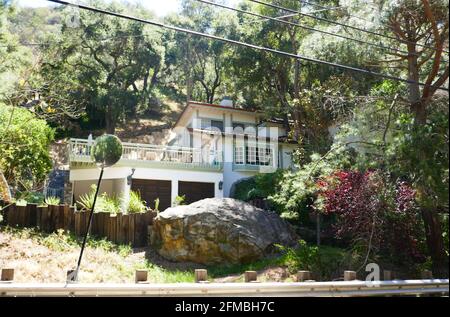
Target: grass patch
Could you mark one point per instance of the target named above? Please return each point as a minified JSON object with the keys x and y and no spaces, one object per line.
{"x":104,"y":261}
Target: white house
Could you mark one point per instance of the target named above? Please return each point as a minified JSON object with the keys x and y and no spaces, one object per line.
{"x":212,"y":147}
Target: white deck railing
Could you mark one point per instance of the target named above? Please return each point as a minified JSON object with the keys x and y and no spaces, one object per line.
{"x":80,"y":150}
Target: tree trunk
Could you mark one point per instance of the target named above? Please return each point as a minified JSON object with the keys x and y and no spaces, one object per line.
{"x":435,"y":243}
{"x":433,"y":227}
{"x":110,"y":121}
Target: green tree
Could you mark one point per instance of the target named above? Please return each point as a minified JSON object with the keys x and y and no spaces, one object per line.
{"x":111,"y":64}
{"x":24,"y":147}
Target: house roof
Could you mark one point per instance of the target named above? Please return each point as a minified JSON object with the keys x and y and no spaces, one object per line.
{"x":191,"y":104}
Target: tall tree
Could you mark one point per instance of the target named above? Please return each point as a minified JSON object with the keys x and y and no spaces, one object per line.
{"x":202,"y":63}
{"x":424,"y":27}
{"x":113,"y":63}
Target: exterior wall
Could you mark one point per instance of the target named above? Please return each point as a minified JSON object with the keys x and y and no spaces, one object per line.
{"x":108,"y":186}
{"x":285,"y":155}
{"x":115,"y":179}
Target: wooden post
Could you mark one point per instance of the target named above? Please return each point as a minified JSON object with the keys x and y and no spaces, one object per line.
{"x":388,"y":275}
{"x":201,"y":275}
{"x":132,"y":219}
{"x":21,"y":212}
{"x":32,"y":215}
{"x":349,"y":275}
{"x":303,"y":276}
{"x":427,"y":275}
{"x":44,"y":218}
{"x":250,"y":276}
{"x":7,"y":275}
{"x":141,"y":276}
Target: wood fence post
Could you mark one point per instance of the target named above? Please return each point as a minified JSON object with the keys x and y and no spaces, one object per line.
{"x":250,"y":276}
{"x":303,"y":276}
{"x":7,"y":275}
{"x":349,"y":275}
{"x":201,"y":275}
{"x":141,"y":276}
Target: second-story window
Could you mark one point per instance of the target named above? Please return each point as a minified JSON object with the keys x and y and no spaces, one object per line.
{"x":209,"y":124}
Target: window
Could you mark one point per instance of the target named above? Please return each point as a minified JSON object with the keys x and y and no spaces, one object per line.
{"x":217,"y":124}
{"x":239,"y":155}
{"x":265,"y":156}
{"x":244,"y":128}
{"x":252,"y":154}
{"x":208,"y":124}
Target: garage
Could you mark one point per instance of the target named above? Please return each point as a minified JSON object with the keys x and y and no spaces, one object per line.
{"x":151,"y":189}
{"x":195,"y":191}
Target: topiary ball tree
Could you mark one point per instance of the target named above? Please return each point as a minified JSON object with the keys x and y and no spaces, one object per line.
{"x":107,"y":150}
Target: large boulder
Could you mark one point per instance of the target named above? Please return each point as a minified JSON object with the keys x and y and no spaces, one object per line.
{"x":218,"y":231}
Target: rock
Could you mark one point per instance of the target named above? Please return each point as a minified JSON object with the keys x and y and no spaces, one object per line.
{"x":218,"y":231}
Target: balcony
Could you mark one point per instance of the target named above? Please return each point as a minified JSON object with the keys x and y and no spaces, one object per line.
{"x":151,"y":156}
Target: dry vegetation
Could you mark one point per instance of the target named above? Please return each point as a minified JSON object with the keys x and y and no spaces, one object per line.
{"x":45,"y":258}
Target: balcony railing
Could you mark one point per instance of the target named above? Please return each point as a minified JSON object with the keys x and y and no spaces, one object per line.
{"x":153,"y":155}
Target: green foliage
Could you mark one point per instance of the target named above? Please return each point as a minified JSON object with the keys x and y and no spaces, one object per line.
{"x":325,"y":262}
{"x":112,"y":204}
{"x":135,"y":203}
{"x":303,"y":257}
{"x":156,"y":205}
{"x":53,"y":201}
{"x":297,"y":193}
{"x":259,"y":186}
{"x":24,"y":147}
{"x":107,"y":150}
{"x":179,"y":201}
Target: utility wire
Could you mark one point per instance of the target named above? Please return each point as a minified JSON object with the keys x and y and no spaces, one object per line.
{"x":274,"y":6}
{"x":244,"y":44}
{"x":340,"y":8}
{"x":302,"y":26}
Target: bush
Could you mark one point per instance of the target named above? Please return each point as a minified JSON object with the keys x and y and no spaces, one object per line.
{"x":112,"y":204}
{"x":376,"y":216}
{"x":53,"y":201}
{"x":325,"y":262}
{"x":135,"y":203}
{"x":24,"y":146}
{"x":259,"y":186}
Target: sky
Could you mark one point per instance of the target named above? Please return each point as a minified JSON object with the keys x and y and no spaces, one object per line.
{"x":160,"y":7}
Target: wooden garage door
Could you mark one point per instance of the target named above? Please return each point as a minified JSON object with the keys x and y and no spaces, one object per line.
{"x":195,"y":191}
{"x":150,"y":190}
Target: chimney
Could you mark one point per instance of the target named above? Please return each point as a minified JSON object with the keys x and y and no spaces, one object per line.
{"x":227,"y":102}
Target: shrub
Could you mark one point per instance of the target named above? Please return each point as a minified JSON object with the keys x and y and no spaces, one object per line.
{"x":376,"y":216}
{"x":24,"y":143}
{"x":135,"y":203}
{"x":112,"y":204}
{"x":303,"y":257}
{"x":104,"y":202}
{"x":179,"y":200}
{"x":52,"y":201}
{"x":324,"y":262}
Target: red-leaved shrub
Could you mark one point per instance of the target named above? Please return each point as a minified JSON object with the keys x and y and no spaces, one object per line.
{"x":372,"y":212}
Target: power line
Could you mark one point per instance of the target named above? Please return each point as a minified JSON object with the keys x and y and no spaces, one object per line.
{"x":256,"y":47}
{"x":302,"y":26}
{"x":340,"y":8}
{"x":274,"y":6}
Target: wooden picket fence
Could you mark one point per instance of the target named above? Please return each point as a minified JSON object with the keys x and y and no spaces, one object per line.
{"x":118,"y":228}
